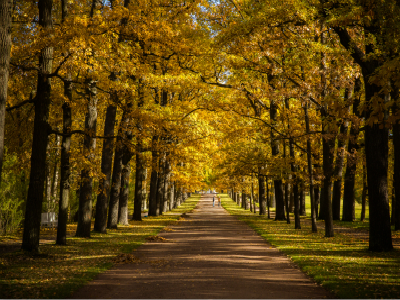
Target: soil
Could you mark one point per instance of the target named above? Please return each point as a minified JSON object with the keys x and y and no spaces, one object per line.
{"x":209,"y":254}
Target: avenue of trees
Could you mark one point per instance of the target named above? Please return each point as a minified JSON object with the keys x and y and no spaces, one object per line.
{"x":105,"y":103}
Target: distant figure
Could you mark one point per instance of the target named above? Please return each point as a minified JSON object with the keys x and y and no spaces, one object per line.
{"x":213,"y":201}
{"x":219,"y":201}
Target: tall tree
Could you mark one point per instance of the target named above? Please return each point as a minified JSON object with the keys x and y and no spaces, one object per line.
{"x":5,"y":53}
{"x":30,"y":240}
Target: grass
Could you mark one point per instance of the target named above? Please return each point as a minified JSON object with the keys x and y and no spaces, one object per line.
{"x":342,"y":264}
{"x":60,"y":270}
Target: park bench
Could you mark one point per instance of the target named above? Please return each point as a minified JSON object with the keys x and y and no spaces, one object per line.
{"x":48,"y":219}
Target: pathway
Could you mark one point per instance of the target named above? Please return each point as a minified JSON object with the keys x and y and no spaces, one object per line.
{"x":210,"y":255}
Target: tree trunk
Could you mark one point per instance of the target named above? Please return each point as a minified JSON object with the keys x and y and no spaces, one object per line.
{"x":139,"y":185}
{"x":166,"y":185}
{"x":327,"y":147}
{"x":396,"y":163}
{"x":30,"y":240}
{"x":316,"y":197}
{"x":89,"y":145}
{"x":280,"y":204}
{"x":364,"y":193}
{"x":338,"y":172}
{"x":352,"y":157}
{"x":5,"y":54}
{"x":124,"y":195}
{"x":100,"y":222}
{"x":153,"y":181}
{"x":160,"y":186}
{"x":172,"y":196}
{"x":54,"y":182}
{"x":112,"y":221}
{"x":302,"y":193}
{"x":261,"y":195}
{"x":269,"y":197}
{"x":310,"y":172}
{"x":65,"y":168}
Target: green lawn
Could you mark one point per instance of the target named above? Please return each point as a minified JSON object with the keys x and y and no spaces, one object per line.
{"x":342,"y":264}
{"x":59,"y":270}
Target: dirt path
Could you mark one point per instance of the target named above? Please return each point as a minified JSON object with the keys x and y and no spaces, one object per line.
{"x":210,"y":255}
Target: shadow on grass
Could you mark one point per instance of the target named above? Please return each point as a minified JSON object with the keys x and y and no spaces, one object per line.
{"x":60,"y":270}
{"x":342,"y":263}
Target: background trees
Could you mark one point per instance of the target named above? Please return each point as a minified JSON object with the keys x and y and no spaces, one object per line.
{"x":256,"y":92}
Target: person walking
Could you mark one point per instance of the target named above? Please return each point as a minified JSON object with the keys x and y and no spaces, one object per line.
{"x":213,"y":201}
{"x":219,"y":201}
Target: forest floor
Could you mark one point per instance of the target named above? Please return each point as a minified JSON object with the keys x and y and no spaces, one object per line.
{"x":208,"y":255}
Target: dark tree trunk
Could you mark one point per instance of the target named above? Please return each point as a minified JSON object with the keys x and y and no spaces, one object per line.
{"x":322,"y":210}
{"x":396,"y":167}
{"x":364,"y":193}
{"x":352,"y":157}
{"x":5,"y":53}
{"x":65,"y":169}
{"x":30,"y":240}
{"x":100,"y":222}
{"x":302,"y":193}
{"x":112,"y":221}
{"x":280,"y":204}
{"x":124,"y":195}
{"x":140,"y":177}
{"x":310,"y":172}
{"x":172,"y":196}
{"x":297,"y":224}
{"x":166,"y":185}
{"x":65,"y":154}
{"x":153,"y":181}
{"x":261,"y":195}
{"x":316,"y":197}
{"x":268,"y":198}
{"x":160,"y":186}
{"x":244,"y":196}
{"x":338,"y":172}
{"x":327,"y":149}
{"x":89,"y":145}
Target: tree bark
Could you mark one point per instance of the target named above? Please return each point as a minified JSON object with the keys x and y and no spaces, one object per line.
{"x":30,"y":240}
{"x":100,"y":222}
{"x":364,"y":193}
{"x":351,"y":165}
{"x":5,"y":54}
{"x":261,"y":195}
{"x":112,"y":221}
{"x":124,"y":195}
{"x":89,"y":145}
{"x":310,"y":171}
{"x":280,"y":205}
{"x":160,"y":186}
{"x":172,"y":196}
{"x":338,"y":172}
{"x":65,"y":168}
{"x":139,"y":185}
{"x":167,"y":171}
{"x":153,"y":180}
{"x":396,"y":168}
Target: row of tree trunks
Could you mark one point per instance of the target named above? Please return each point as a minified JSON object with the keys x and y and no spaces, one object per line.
{"x":376,"y":146}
